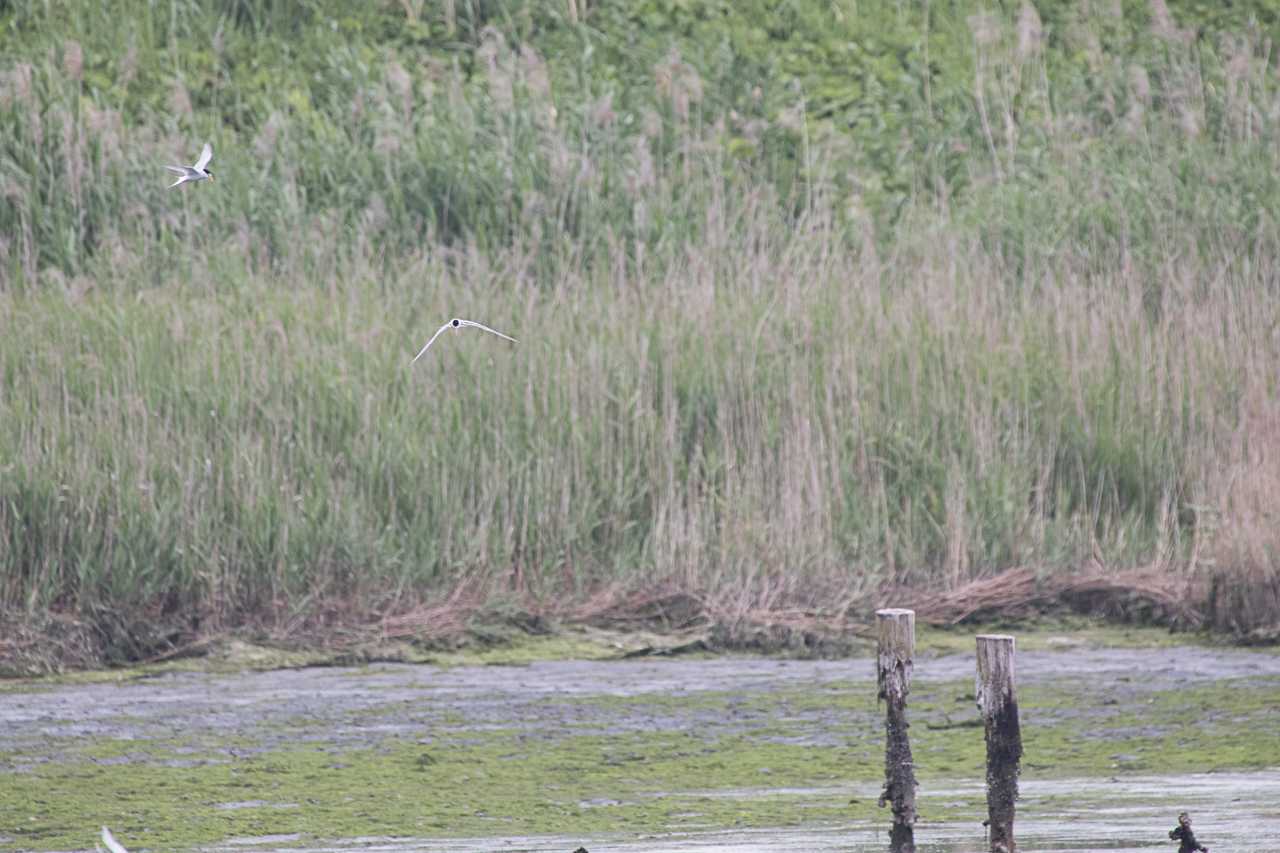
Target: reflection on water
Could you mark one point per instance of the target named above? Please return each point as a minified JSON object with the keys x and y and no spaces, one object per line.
{"x":1231,"y":811}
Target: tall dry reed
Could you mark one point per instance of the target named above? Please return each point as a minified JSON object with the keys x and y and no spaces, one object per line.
{"x":757,"y":360}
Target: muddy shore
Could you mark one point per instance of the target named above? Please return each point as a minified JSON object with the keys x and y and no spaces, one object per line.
{"x":692,"y":754}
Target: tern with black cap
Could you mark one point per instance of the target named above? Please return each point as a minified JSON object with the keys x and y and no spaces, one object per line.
{"x":455,"y":323}
{"x":198,"y":172}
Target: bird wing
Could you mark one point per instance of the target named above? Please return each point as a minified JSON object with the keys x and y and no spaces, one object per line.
{"x":181,"y":170}
{"x":206,"y":154}
{"x":438,"y":333}
{"x":109,"y":840}
{"x":487,"y":329}
{"x":181,"y":180}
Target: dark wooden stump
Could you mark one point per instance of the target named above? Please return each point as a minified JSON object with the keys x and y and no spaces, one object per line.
{"x":897,"y":643}
{"x":999,"y":706}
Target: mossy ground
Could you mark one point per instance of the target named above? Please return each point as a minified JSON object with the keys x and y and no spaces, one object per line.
{"x":632,"y":764}
{"x":1058,"y":632}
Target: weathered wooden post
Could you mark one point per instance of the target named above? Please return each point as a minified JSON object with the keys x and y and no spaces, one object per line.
{"x":897,"y":644}
{"x":999,"y":706}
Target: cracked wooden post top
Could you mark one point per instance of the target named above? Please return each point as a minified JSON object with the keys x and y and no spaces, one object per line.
{"x":896,"y":645}
{"x":995,"y":672}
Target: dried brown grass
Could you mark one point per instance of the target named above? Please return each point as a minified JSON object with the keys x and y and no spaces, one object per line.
{"x":1144,"y":595}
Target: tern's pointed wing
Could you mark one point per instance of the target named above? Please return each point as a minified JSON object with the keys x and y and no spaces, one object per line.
{"x":109,"y":840}
{"x":206,"y":154}
{"x":487,"y":329}
{"x":439,"y":332}
{"x":181,"y":170}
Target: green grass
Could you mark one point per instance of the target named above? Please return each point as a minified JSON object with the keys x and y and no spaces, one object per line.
{"x":809,"y":302}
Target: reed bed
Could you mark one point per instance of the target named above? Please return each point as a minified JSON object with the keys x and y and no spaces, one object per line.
{"x":758,"y":361}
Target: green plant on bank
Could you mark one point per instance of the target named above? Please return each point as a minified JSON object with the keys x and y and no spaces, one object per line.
{"x":811,"y":298}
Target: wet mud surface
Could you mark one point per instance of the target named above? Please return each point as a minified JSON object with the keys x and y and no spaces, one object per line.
{"x":335,"y":702}
{"x":1108,"y":721}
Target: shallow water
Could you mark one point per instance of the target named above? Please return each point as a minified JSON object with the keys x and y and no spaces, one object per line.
{"x":1231,"y":812}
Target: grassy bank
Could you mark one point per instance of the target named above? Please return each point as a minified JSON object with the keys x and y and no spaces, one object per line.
{"x":809,"y":303}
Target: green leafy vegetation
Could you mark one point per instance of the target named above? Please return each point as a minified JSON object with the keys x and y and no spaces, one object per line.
{"x":812,"y":298}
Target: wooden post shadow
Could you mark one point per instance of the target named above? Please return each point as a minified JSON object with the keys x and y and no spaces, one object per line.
{"x":896,"y":645}
{"x":998,"y":703}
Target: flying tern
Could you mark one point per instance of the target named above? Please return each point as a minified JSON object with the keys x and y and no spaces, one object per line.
{"x":198,"y":172}
{"x":455,"y":323}
{"x":110,"y":840}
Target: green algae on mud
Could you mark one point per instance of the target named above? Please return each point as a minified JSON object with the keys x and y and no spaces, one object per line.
{"x":499,"y":784}
{"x":505,"y":645}
{"x":510,"y":648}
{"x":597,"y":763}
{"x":1055,"y":633}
